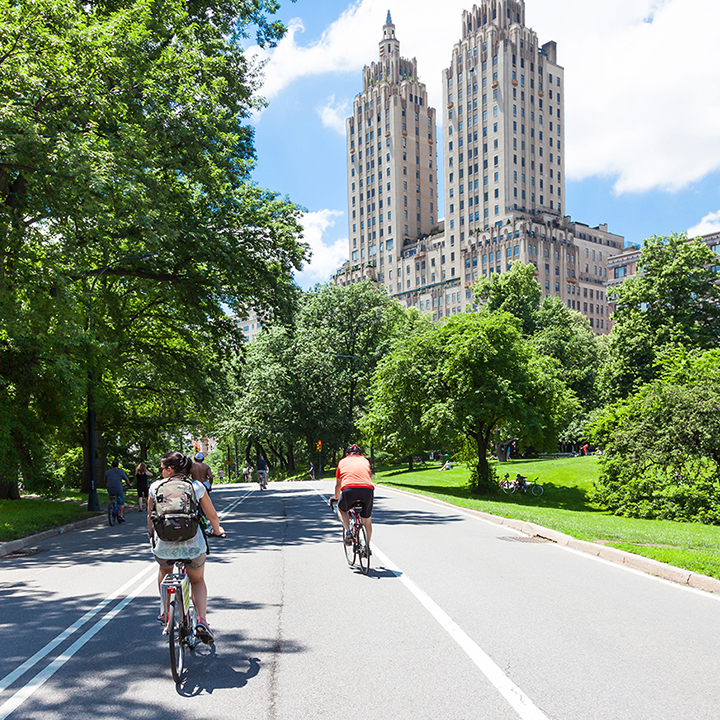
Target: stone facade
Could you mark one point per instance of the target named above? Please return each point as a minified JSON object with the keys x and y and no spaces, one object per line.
{"x":503,"y":135}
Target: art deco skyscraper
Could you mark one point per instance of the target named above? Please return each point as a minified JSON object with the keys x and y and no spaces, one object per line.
{"x":504,"y":172}
{"x":392,"y":166}
{"x":504,"y":124}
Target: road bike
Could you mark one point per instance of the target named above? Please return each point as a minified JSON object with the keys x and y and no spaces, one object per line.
{"x":180,"y":618}
{"x":113,"y":510}
{"x":510,"y":486}
{"x":263,"y":479}
{"x":359,"y":548}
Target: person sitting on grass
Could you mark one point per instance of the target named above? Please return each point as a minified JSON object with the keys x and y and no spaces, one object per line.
{"x":446,"y":466}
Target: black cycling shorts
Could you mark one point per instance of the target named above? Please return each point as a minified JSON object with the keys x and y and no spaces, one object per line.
{"x":349,"y":495}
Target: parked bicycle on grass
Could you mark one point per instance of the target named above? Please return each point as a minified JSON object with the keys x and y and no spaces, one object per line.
{"x":520,"y":484}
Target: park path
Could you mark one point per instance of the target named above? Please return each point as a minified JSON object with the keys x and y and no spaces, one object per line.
{"x":459,"y":618}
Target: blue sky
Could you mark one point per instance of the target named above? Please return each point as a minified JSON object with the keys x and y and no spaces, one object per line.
{"x":642,"y":102}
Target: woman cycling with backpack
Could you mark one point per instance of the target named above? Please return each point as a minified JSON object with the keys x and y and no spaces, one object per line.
{"x":181,"y":538}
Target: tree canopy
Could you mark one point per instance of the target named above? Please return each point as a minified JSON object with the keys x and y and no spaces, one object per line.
{"x":125,"y":156}
{"x":673,"y":301}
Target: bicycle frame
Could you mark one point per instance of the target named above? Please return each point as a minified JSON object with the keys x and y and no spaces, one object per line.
{"x":175,"y":586}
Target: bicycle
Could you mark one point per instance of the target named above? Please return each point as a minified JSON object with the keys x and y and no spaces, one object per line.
{"x":263,"y":479}
{"x":179,"y":615}
{"x":113,"y":510}
{"x":358,"y":549}
{"x":510,"y":486}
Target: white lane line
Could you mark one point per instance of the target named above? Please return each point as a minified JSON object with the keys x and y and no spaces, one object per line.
{"x":26,"y":691}
{"x":517,"y":699}
{"x":10,"y":678}
{"x":235,"y":503}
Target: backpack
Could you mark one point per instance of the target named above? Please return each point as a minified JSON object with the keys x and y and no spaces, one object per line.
{"x":176,"y":514}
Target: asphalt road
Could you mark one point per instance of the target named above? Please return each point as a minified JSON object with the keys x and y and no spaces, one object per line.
{"x":459,"y":618}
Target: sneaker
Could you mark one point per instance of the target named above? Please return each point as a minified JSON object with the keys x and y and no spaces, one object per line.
{"x":203,"y":632}
{"x":348,"y":538}
{"x":121,"y":519}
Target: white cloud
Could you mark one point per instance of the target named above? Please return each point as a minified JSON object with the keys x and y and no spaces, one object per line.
{"x":333,"y":114}
{"x":327,"y":256}
{"x":642,"y":77}
{"x":709,"y":224}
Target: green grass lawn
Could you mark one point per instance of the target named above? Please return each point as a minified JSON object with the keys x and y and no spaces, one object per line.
{"x":29,"y":515}
{"x":565,"y":507}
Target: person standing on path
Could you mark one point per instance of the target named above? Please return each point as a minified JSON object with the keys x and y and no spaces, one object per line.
{"x":141,"y":483}
{"x":114,"y":478}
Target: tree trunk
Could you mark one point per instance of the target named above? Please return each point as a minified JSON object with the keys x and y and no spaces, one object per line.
{"x":9,"y":489}
{"x":410,"y":462}
{"x":85,"y":487}
{"x":291,"y":459}
{"x":483,"y":485}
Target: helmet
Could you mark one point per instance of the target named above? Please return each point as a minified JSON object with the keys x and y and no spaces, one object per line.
{"x":354,"y":450}
{"x":199,"y":457}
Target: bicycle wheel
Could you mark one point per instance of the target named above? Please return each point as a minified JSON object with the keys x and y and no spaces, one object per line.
{"x":177,"y":651}
{"x":363,"y":550}
{"x":507,"y":487}
{"x":537,"y":490}
{"x":349,"y":549}
{"x":112,"y":513}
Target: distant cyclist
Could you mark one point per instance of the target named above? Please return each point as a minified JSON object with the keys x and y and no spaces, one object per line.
{"x":114,"y":478}
{"x":193,"y":551}
{"x":353,"y":481}
{"x":262,"y":470}
{"x":201,"y":471}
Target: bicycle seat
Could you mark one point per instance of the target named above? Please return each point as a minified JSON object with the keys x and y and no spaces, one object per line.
{"x":358,"y":505}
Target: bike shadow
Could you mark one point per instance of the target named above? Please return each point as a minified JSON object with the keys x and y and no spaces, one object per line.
{"x":210,"y":671}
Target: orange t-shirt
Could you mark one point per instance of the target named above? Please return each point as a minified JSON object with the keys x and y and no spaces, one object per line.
{"x":354,"y":471}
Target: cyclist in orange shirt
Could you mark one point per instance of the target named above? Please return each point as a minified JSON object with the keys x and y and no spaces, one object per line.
{"x":353,"y":481}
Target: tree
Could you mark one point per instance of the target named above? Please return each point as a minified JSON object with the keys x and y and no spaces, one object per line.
{"x":401,"y":419}
{"x":516,"y":292}
{"x":307,"y":380}
{"x":674,"y":301}
{"x":662,"y":456}
{"x":356,"y":326}
{"x":493,"y":379}
{"x":566,"y":336}
{"x":470,"y":377}
{"x":123,"y":135}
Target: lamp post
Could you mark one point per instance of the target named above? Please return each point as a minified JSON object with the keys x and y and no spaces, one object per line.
{"x":367,"y":367}
{"x":93,"y":501}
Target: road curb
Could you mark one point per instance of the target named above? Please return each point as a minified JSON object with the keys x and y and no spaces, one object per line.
{"x":11,"y":546}
{"x":611,"y":554}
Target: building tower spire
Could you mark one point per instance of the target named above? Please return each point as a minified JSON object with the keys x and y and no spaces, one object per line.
{"x":389,"y":19}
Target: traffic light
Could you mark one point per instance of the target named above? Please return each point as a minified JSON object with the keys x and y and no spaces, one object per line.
{"x":319,"y":445}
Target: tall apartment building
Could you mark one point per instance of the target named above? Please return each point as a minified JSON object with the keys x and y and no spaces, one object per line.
{"x":392,"y":166}
{"x":504,"y":170}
